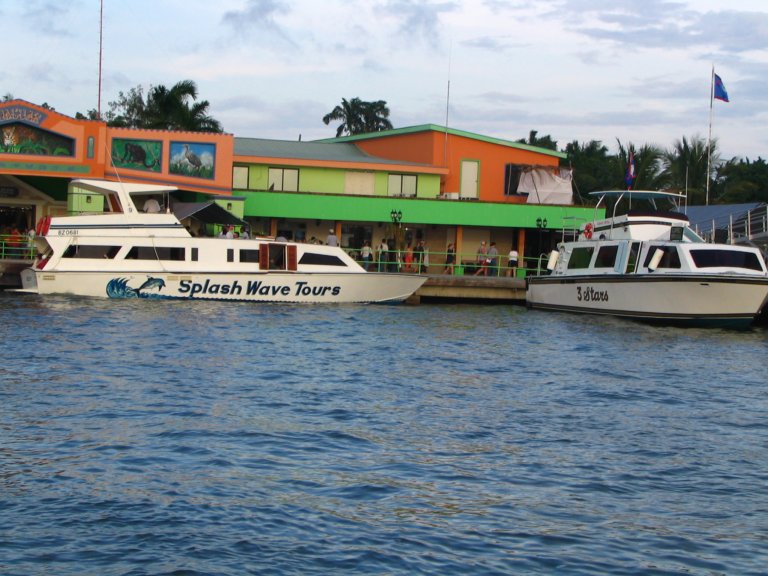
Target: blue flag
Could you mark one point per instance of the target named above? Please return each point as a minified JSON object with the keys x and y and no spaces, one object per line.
{"x":720,"y":93}
{"x":629,"y":178}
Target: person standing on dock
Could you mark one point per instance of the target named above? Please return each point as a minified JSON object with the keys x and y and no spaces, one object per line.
{"x":482,"y":257}
{"x":512,"y":265}
{"x":450,"y":259}
{"x":493,"y":260}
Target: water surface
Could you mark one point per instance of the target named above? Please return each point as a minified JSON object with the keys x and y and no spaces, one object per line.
{"x":211,"y":438}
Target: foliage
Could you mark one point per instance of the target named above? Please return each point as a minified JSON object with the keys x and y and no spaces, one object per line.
{"x":741,"y":181}
{"x":359,"y":117}
{"x":174,"y":108}
{"x":542,"y":142}
{"x":685,"y":167}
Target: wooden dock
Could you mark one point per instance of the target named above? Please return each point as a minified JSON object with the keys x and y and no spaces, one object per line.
{"x":470,"y":288}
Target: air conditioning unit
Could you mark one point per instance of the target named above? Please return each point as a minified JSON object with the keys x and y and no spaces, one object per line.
{"x":450,"y":196}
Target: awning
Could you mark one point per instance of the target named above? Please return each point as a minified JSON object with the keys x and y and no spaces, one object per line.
{"x":206,"y":212}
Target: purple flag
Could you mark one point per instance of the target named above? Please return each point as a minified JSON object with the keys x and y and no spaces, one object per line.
{"x":720,"y":93}
{"x":629,"y":178}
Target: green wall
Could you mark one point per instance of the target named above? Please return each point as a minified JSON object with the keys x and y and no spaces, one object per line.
{"x":332,"y":181}
{"x":415,"y":211}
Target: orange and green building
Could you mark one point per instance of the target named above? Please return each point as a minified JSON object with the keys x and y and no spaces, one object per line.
{"x":446,"y":185}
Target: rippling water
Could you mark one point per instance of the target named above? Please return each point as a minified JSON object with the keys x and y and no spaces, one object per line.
{"x":212,"y":438}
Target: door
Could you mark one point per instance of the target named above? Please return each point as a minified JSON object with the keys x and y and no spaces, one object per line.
{"x":469,"y":173}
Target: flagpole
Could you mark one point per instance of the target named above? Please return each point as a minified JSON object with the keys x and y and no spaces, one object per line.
{"x":709,"y":138}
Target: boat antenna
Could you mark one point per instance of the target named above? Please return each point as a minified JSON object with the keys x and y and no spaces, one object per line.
{"x":101,"y":44}
{"x":447,"y":106}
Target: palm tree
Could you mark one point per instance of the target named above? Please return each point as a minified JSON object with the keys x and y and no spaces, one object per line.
{"x":648,"y":166}
{"x":685,"y":167}
{"x":164,"y":109}
{"x":171,"y":110}
{"x":359,"y":117}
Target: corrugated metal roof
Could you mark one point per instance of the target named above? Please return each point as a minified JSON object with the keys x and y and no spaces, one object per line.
{"x":721,"y":214}
{"x":297,"y":150}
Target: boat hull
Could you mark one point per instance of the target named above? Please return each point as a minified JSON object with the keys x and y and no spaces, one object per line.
{"x":254,"y":287}
{"x":674,"y":299}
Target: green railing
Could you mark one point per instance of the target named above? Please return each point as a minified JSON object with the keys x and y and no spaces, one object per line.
{"x":15,"y":248}
{"x":433,"y":262}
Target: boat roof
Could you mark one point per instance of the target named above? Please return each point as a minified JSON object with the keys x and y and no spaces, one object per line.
{"x":207,"y":212}
{"x":106,"y":186}
{"x":638,"y":194}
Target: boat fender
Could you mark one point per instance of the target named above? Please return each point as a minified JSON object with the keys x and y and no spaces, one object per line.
{"x":588,"y":231}
{"x":656,"y":259}
{"x":553,"y":256}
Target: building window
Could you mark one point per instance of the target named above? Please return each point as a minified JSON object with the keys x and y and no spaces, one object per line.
{"x":90,"y":151}
{"x":402,"y":185}
{"x":240,"y":177}
{"x":284,"y":179}
{"x":512,"y":173}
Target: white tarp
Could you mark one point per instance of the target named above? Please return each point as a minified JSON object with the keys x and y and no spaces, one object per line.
{"x":544,"y":187}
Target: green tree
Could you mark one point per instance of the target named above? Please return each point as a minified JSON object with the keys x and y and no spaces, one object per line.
{"x":740,"y":181}
{"x":176,"y":109}
{"x":648,"y":166}
{"x":685,"y":167}
{"x":359,"y":117}
{"x":539,"y":141}
{"x":164,"y":108}
{"x":593,"y":168}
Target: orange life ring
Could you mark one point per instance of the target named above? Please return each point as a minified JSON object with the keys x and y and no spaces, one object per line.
{"x":588,"y":231}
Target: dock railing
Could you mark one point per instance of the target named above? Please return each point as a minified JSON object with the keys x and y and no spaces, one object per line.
{"x":433,"y":262}
{"x":14,"y":247}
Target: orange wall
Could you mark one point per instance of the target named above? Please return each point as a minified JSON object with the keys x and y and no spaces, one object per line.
{"x":41,"y":129}
{"x":23,"y":120}
{"x":219,"y":146}
{"x":430,"y":147}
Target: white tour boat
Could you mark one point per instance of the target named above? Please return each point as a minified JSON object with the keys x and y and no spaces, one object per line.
{"x":126,"y":253}
{"x":650,"y":265}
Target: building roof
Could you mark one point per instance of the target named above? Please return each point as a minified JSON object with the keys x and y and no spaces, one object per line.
{"x":298,"y":150}
{"x":721,"y":215}
{"x":451,"y":131}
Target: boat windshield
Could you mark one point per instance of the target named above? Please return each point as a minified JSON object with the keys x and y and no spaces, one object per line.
{"x":691,"y":236}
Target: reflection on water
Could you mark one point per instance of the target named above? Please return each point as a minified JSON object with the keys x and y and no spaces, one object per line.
{"x":213,"y":438}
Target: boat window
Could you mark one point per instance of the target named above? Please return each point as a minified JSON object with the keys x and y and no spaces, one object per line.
{"x":194,"y":254}
{"x":634,"y":249}
{"x":712,"y":258}
{"x":671,"y":258}
{"x":100,"y":252}
{"x":606,"y":256}
{"x":230,"y":255}
{"x":321,"y":259}
{"x":249,"y":255}
{"x":156,"y":253}
{"x":580,"y":257}
{"x":676,"y":233}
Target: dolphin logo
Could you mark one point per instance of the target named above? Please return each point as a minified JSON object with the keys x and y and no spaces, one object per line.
{"x":151,"y":282}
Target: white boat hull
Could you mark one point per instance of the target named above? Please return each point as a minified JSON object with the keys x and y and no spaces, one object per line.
{"x":694,"y":299}
{"x":255,"y":287}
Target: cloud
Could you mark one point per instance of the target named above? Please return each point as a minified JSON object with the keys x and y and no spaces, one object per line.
{"x":261,"y":16}
{"x":663,"y":24}
{"x":47,"y":17}
{"x":418,"y":21}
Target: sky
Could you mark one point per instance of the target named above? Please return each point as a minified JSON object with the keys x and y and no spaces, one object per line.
{"x":577,"y":70}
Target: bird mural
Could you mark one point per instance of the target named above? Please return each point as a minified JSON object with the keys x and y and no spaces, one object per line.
{"x":192,"y":158}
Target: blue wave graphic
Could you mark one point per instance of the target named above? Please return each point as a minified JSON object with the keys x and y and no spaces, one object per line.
{"x":118,"y":288}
